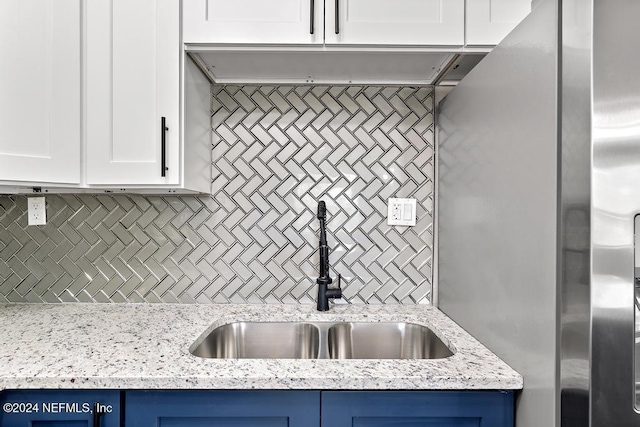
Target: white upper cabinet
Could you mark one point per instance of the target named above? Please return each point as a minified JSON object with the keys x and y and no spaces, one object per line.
{"x":253,"y":21}
{"x":397,"y":22}
{"x":40,"y":87}
{"x":382,"y":22}
{"x":133,"y":82}
{"x":489,"y":21}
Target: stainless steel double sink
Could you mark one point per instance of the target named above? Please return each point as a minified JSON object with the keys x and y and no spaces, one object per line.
{"x":321,"y":340}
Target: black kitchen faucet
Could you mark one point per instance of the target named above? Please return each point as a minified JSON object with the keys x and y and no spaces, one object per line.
{"x":324,"y":293}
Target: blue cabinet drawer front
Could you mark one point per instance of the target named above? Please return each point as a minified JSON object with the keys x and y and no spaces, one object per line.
{"x":224,"y":422}
{"x":416,"y":422}
{"x":58,"y":408}
{"x":417,"y":409}
{"x":223,"y":408}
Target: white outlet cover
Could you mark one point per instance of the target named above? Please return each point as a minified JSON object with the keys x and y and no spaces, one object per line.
{"x":401,"y":212}
{"x":36,"y":212}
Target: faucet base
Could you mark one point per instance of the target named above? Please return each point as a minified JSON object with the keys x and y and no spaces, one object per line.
{"x":325,"y":294}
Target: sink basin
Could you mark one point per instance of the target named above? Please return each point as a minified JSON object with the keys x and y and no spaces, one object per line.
{"x":384,"y":341}
{"x":321,"y":340}
{"x":261,"y":340}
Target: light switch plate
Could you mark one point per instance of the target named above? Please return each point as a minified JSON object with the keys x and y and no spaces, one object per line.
{"x":401,"y":212}
{"x":36,"y":211}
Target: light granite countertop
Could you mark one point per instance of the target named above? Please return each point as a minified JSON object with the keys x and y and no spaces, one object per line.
{"x":146,"y":346}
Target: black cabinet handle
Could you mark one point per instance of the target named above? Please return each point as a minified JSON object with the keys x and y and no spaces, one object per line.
{"x":163,"y":162}
{"x":337,"y":16}
{"x":313,"y":17}
{"x":97,"y":413}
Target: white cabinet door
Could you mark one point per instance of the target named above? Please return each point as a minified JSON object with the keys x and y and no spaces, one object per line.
{"x":253,"y":21}
{"x":40,"y":84}
{"x":133,"y":80}
{"x":489,"y":21}
{"x":395,"y":22}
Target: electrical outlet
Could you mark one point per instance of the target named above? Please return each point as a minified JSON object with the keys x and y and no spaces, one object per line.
{"x":36,"y":211}
{"x":401,"y":212}
{"x":396,"y":211}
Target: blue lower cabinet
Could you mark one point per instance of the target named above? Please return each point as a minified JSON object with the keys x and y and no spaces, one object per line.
{"x":222,"y":409}
{"x":417,"y":409}
{"x":60,"y":408}
{"x":268,"y":408}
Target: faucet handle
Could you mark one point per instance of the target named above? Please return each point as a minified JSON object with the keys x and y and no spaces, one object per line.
{"x":337,"y":291}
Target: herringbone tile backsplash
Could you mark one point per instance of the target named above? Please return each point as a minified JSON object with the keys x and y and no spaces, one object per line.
{"x":276,"y":152}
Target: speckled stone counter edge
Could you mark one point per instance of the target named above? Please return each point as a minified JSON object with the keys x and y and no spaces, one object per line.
{"x":146,"y":346}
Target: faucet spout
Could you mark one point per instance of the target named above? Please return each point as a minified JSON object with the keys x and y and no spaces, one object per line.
{"x":325,"y":293}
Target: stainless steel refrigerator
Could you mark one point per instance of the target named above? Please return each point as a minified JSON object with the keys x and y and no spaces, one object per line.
{"x":538,"y":192}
